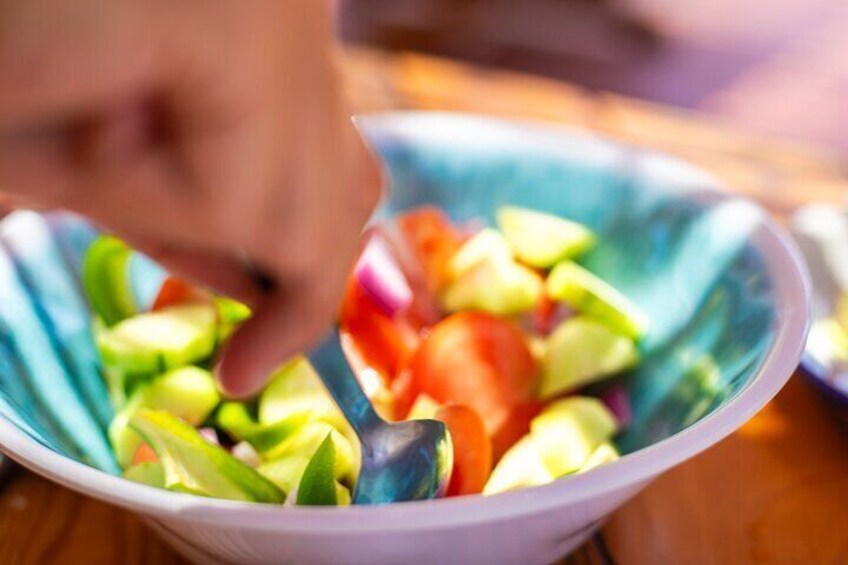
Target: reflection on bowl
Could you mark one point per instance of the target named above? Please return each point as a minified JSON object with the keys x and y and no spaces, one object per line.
{"x":723,"y":287}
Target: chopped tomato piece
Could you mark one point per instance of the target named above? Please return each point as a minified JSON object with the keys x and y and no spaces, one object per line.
{"x":144,"y":454}
{"x":176,"y":291}
{"x":481,"y":361}
{"x":380,"y":341}
{"x":472,"y":449}
{"x":434,"y":240}
{"x":544,"y":315}
{"x":515,"y":426}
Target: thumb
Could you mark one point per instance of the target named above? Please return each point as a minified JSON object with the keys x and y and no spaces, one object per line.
{"x":285,"y":323}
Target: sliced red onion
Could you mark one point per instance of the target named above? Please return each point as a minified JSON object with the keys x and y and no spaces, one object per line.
{"x":210,"y":435}
{"x":424,"y":305}
{"x":379,"y":275}
{"x":291,"y":499}
{"x":472,"y":227}
{"x":245,"y":453}
{"x":617,"y":400}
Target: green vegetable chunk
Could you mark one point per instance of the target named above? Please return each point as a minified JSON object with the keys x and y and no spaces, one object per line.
{"x":189,"y":393}
{"x":296,"y":389}
{"x":497,"y":287}
{"x":568,"y":432}
{"x":582,"y":351}
{"x":234,"y":418}
{"x":588,"y":294}
{"x":307,"y":439}
{"x":231,"y":314}
{"x":318,"y":484}
{"x":540,"y":239}
{"x":166,"y":339}
{"x":486,"y":245}
{"x":570,"y":435}
{"x":106,"y":281}
{"x":605,"y":453}
{"x":151,"y":473}
{"x":285,"y":472}
{"x":520,"y":467}
{"x":192,"y":464}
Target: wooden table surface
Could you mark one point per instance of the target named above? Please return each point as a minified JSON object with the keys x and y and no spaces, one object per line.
{"x":774,"y":492}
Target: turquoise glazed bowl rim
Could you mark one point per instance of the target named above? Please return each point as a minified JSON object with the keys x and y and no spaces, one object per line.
{"x":791,"y":289}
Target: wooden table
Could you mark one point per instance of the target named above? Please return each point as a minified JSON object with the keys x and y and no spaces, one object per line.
{"x":774,"y":492}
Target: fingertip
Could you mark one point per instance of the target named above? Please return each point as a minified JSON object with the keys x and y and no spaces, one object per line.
{"x":244,"y":366}
{"x":277,"y":331}
{"x":233,"y":383}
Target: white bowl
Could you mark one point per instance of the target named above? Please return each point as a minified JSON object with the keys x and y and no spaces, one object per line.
{"x":534,"y":525}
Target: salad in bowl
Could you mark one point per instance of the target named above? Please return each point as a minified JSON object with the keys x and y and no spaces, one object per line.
{"x":495,"y":331}
{"x":581,"y":315}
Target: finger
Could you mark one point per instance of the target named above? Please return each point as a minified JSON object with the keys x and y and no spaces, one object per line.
{"x":60,"y":59}
{"x":52,"y":166}
{"x":64,"y":67}
{"x":35,"y":169}
{"x":284,"y":324}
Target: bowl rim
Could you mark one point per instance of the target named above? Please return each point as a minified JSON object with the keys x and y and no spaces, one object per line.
{"x":791,"y":287}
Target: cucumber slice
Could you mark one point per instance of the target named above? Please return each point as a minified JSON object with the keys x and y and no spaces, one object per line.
{"x":116,"y":385}
{"x":231,"y":314}
{"x":188,"y":393}
{"x":502,"y":288}
{"x":122,"y":385}
{"x":292,"y":456}
{"x":588,"y":294}
{"x":231,"y":311}
{"x":569,"y":435}
{"x":297,"y":389}
{"x":486,"y":245}
{"x":123,"y":440}
{"x":105,"y":278}
{"x":153,"y":342}
{"x":424,"y":408}
{"x":285,"y":473}
{"x":520,"y":467}
{"x":305,"y":442}
{"x":540,"y":239}
{"x":234,"y":418}
{"x":605,"y":453}
{"x":151,"y":473}
{"x":582,"y":351}
{"x":318,"y":484}
{"x":192,"y":464}
{"x":569,"y":431}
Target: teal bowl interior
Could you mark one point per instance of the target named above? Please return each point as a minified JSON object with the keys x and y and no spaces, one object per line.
{"x":668,"y":240}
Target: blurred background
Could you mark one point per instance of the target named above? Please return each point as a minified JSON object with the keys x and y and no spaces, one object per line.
{"x":776,"y":66}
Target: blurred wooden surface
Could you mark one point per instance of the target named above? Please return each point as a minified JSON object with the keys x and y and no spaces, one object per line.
{"x":775,"y":492}
{"x":774,"y":65}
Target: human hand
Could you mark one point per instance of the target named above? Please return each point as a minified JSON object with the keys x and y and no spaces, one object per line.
{"x":203,"y":132}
